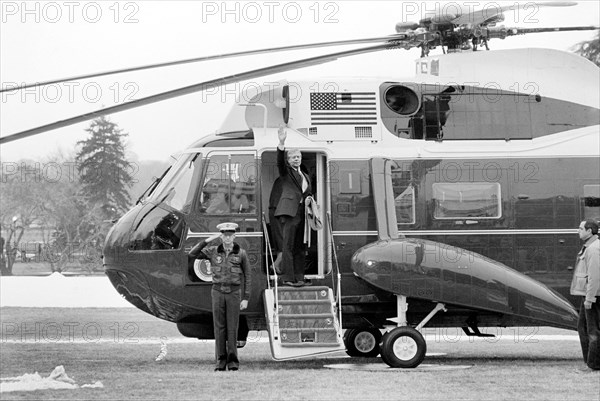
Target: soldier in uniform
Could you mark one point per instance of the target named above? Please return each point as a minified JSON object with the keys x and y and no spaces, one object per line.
{"x":229,"y":266}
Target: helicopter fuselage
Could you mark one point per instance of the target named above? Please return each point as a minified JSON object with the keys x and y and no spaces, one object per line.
{"x":464,"y":185}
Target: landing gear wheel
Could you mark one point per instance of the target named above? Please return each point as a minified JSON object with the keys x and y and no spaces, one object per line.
{"x":403,"y":347}
{"x":362,"y":342}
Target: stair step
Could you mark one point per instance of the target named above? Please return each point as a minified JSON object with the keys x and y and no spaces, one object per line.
{"x":306,"y":316}
{"x":307,"y":329}
{"x":308,"y":336}
{"x":304,"y":295}
{"x":304,"y":309}
{"x":308,"y":345}
{"x":304,"y":301}
{"x":303,"y":289}
{"x":306,"y":324}
{"x":299,"y":309}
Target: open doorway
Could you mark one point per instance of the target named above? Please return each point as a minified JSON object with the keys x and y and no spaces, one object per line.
{"x":317,"y":263}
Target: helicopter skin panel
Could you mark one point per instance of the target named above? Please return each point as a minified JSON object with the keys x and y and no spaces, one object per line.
{"x":545,"y":72}
{"x":429,"y":270}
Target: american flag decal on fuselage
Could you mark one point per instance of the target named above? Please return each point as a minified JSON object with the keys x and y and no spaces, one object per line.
{"x":348,"y":108}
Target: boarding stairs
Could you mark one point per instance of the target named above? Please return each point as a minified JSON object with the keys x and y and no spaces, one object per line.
{"x":302,"y":321}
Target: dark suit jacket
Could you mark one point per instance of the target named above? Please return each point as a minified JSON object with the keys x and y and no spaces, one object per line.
{"x":275,"y":194}
{"x":291,"y":187}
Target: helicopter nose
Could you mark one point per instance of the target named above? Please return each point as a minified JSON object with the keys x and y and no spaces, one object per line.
{"x":118,"y":237}
{"x":121,"y":266}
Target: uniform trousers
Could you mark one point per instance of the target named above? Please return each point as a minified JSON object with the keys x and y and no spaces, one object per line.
{"x":226,"y":318}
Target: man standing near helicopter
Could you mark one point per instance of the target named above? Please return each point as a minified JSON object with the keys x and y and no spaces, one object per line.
{"x":295,"y":187}
{"x":586,"y":283}
{"x":229,"y":268}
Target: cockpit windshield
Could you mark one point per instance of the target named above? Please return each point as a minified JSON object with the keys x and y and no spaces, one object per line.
{"x":178,"y":186}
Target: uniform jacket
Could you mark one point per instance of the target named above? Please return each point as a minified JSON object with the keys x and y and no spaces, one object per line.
{"x":291,"y":187}
{"x":586,"y":277}
{"x":228,"y":271}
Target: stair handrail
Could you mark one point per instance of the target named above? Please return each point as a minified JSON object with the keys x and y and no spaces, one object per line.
{"x":338,"y":288}
{"x":269,"y":253}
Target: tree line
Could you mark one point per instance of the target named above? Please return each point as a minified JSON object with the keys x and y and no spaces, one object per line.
{"x":72,"y":203}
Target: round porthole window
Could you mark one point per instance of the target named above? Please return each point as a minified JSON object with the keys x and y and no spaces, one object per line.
{"x":402,"y":100}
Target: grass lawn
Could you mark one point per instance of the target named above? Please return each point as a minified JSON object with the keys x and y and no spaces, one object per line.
{"x":510,"y":368}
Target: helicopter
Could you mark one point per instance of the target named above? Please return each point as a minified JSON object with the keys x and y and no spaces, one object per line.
{"x":449,"y":199}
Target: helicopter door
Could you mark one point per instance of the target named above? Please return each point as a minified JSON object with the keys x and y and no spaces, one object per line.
{"x":321,"y":195}
{"x":228,"y":193}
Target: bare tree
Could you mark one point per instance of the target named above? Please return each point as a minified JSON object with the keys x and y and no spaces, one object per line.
{"x":22,"y":204}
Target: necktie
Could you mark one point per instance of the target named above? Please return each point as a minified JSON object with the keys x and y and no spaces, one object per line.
{"x":304,"y":182}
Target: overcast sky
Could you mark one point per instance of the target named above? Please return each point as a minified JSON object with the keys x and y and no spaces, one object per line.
{"x":45,"y":40}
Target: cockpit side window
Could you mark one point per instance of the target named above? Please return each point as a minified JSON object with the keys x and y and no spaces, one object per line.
{"x":229,"y":185}
{"x":178,"y":187}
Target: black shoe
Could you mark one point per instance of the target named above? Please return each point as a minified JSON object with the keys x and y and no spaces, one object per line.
{"x":233,"y":368}
{"x":219,"y":369}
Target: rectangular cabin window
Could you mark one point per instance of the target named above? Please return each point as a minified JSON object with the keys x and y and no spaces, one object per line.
{"x":477,"y":113}
{"x":467,"y":200}
{"x":404,"y":193}
{"x":591,"y":202}
{"x":229,"y":185}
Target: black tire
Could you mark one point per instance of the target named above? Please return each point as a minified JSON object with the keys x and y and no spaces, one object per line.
{"x":363,"y":342}
{"x":403,"y":347}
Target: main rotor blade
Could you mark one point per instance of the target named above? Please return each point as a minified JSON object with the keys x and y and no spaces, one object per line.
{"x":478,"y":17}
{"x":292,"y":65}
{"x":388,"y":38}
{"x":523,"y":31}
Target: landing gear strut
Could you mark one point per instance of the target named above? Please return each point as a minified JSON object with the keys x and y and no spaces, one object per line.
{"x":404,"y":346}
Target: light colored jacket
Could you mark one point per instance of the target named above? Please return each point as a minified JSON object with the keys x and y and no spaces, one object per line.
{"x":586,"y":278}
{"x":312,"y":218}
